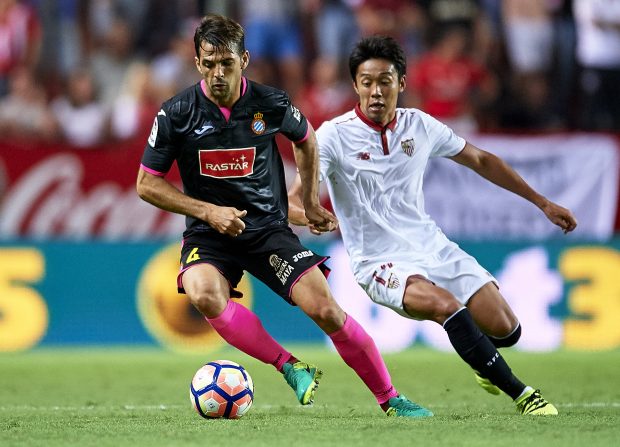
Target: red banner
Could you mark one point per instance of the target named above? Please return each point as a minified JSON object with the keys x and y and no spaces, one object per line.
{"x":55,"y":191}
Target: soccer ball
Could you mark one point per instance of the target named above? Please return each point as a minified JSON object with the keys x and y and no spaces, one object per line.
{"x":221,"y":389}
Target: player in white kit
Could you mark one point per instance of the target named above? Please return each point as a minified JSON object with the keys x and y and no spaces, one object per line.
{"x":373,"y":160}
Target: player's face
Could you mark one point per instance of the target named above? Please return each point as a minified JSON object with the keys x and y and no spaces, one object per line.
{"x":222,"y":73}
{"x":378,"y":85}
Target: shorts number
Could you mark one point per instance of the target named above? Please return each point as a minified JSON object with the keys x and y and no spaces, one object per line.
{"x":193,"y":256}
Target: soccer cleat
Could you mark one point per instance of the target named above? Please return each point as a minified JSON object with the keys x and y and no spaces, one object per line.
{"x":304,"y":379}
{"x":486,"y":384}
{"x":403,"y":407}
{"x":532,"y":402}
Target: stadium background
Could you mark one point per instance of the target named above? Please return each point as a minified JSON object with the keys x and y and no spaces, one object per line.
{"x":83,"y":262}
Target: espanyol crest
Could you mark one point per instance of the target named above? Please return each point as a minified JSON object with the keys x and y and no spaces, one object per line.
{"x":408,"y":146}
{"x":258,"y":125}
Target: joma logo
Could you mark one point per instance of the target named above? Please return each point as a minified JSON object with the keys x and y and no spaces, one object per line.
{"x":303,"y":254}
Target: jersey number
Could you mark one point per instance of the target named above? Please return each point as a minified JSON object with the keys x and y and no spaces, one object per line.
{"x":193,"y":256}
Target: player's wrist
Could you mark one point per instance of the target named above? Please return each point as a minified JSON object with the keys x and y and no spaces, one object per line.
{"x":311,"y":202}
{"x":206,"y":212}
{"x":540,"y":201}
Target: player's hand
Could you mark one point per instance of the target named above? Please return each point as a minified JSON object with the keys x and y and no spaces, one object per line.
{"x":560,"y":216}
{"x":227,"y":220}
{"x":320,"y":220}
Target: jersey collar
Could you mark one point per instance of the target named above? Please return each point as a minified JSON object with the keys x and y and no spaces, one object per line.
{"x":226,"y":112}
{"x":378,"y":127}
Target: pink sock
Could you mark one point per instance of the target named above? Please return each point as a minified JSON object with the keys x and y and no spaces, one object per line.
{"x":358,"y":350}
{"x":241,"y":328}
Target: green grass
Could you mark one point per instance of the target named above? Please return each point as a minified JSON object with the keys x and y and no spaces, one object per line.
{"x":114,"y":397}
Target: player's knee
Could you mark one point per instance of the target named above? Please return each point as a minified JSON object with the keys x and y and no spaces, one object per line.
{"x":437,"y":306}
{"x":207,"y":300}
{"x":326,"y":313}
{"x":445,"y":307}
{"x":510,"y":340}
{"x":423,"y":299}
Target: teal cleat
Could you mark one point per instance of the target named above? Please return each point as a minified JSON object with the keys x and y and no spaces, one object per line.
{"x":304,"y":379}
{"x":486,"y":385}
{"x":403,"y":407}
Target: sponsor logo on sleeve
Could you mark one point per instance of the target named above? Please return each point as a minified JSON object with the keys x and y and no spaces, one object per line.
{"x":153,"y":135}
{"x":227,"y":163}
{"x":296,"y":113}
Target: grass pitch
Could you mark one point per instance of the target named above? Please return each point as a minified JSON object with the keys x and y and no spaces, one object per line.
{"x":139,"y":397}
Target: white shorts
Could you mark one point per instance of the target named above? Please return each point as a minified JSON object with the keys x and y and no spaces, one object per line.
{"x":450,"y":268}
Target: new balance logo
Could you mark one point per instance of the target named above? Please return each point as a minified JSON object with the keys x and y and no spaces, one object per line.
{"x":204,"y":128}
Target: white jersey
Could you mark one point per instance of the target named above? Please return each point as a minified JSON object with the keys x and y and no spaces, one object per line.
{"x":374,"y":176}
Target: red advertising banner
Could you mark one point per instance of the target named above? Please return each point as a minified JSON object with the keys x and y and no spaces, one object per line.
{"x":56,"y":191}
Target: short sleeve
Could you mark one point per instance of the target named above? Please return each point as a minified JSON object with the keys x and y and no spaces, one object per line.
{"x":444,"y":142}
{"x":327,"y":136}
{"x":160,"y":151}
{"x":294,"y":125}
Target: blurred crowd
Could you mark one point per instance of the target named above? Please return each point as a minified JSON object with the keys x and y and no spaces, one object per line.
{"x":91,"y":72}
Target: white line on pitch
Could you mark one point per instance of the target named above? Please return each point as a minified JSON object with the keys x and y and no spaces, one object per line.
{"x":164,"y":407}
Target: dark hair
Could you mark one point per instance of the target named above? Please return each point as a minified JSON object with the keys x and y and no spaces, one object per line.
{"x":378,"y":47}
{"x":223,"y":33}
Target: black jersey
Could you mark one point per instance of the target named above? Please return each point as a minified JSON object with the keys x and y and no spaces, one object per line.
{"x":232,"y":162}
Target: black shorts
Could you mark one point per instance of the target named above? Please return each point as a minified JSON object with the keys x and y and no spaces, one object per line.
{"x":274,"y":255}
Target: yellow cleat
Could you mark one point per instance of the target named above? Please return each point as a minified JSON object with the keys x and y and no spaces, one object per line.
{"x":533,"y":403}
{"x":486,"y":385}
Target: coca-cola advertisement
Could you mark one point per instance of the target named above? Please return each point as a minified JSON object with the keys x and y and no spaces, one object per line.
{"x":59,"y":192}
{"x":55,"y":191}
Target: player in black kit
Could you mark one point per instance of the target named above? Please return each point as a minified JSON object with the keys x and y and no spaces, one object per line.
{"x":221,"y":132}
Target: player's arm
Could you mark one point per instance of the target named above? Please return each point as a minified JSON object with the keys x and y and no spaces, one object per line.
{"x":296,"y":212}
{"x":160,"y":192}
{"x":307,"y":159}
{"x":497,"y":171}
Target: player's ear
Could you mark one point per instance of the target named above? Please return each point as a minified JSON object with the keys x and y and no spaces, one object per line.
{"x":402,"y":84}
{"x":355,"y":86}
{"x":197,"y":62}
{"x":245,"y":59}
